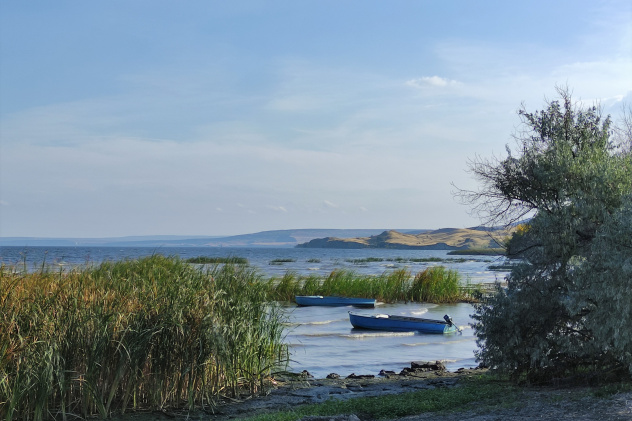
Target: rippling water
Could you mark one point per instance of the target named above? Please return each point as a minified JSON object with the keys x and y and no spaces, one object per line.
{"x":301,"y":260}
{"x":321,"y":339}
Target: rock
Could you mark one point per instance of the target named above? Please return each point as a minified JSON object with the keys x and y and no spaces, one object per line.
{"x":360,"y":376}
{"x":333,"y":376}
{"x":428,"y":366}
{"x":331,"y":418}
{"x":321,"y":394}
{"x":290,"y":376}
{"x":387,"y":373}
{"x":417,"y":367}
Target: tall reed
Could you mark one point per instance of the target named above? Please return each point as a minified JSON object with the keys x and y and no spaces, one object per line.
{"x":149,"y":333}
{"x":435,"y":284}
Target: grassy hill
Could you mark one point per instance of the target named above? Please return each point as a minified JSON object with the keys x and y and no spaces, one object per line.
{"x":441,"y":239}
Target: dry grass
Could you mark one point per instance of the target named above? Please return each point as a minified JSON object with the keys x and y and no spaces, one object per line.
{"x":452,"y":237}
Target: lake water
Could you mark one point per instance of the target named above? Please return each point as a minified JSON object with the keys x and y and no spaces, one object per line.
{"x":321,"y":339}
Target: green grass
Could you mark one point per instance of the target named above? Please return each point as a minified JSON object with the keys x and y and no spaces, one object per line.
{"x":435,"y":284}
{"x":481,"y":392}
{"x":139,"y":334}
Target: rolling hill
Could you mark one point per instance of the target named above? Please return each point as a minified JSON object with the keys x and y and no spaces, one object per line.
{"x":441,"y":239}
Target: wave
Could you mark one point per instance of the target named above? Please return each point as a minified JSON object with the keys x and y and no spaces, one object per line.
{"x":468,"y":339}
{"x":314,"y":323}
{"x":419,"y":312}
{"x":376,"y":334}
{"x":322,"y":322}
{"x":318,"y":335}
{"x":419,"y":344}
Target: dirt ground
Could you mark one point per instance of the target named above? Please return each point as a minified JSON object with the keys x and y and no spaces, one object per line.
{"x":286,"y":393}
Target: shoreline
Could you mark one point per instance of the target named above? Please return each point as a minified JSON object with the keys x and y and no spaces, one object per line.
{"x":288,"y":391}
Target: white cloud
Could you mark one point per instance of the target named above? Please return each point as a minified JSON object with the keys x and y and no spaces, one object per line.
{"x":277,"y":208}
{"x":176,"y":142}
{"x":432,"y":81}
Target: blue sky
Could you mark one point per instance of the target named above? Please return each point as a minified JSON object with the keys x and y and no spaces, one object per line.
{"x":217,"y":118}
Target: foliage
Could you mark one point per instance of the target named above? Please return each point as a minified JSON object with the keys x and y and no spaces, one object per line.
{"x":574,"y":184}
{"x":603,"y":287}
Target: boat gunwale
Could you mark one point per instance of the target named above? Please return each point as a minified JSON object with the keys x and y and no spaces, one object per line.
{"x":407,"y":321}
{"x":402,"y":318}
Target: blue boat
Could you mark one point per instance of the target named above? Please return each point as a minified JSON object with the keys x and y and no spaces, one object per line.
{"x":402,"y":323}
{"x":319,"y":300}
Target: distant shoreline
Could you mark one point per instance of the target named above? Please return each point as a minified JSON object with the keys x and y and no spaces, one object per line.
{"x":413,"y":239}
{"x":478,"y":240}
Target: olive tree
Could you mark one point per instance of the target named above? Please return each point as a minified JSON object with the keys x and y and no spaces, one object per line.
{"x":570,"y":182}
{"x":603,"y":288}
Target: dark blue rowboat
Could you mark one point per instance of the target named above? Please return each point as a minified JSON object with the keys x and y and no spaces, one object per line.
{"x":402,"y":323}
{"x":319,"y":300}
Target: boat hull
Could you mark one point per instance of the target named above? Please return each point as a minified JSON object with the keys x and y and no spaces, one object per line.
{"x":319,"y":300}
{"x":400,"y":323}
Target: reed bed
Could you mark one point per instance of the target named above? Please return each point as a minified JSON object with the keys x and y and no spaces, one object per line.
{"x":366,"y":260}
{"x":435,"y":284}
{"x":205,"y":260}
{"x":480,"y":252}
{"x":152,"y":333}
{"x":281,"y":261}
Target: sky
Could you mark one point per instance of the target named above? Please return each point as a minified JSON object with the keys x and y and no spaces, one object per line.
{"x":152,"y":117}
